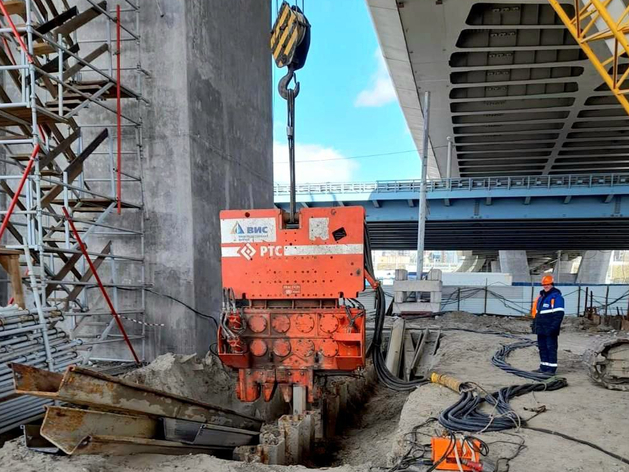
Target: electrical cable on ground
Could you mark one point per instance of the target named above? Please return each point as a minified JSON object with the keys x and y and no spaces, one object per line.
{"x":580,"y":441}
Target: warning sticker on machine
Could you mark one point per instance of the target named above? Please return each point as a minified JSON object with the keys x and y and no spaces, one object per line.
{"x":248,"y":230}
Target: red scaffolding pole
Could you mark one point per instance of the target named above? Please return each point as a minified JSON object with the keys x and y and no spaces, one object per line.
{"x":18,"y":191}
{"x":114,"y":313}
{"x":17,"y":35}
{"x":118,"y":111}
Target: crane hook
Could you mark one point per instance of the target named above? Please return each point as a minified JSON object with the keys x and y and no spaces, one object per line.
{"x":282,"y":86}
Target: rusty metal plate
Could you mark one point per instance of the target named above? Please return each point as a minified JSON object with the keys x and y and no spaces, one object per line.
{"x":117,"y":446}
{"x":89,"y":388}
{"x":67,"y":428}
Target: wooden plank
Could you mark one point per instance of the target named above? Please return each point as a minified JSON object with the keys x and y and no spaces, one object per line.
{"x":93,"y":205}
{"x":57,"y":21}
{"x":79,"y":20}
{"x":42,"y":9}
{"x":68,"y":266}
{"x":12,"y":117}
{"x":71,"y":71}
{"x":52,"y":66}
{"x":59,"y":149}
{"x":15,"y":7}
{"x":76,"y":167}
{"x":53,"y":8}
{"x":88,"y":273}
{"x":11,"y":263}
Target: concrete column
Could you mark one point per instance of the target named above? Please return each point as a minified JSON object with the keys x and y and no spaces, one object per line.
{"x":594,"y":266}
{"x":495,"y":266}
{"x":516,"y":264}
{"x":478,"y":264}
{"x":467,"y":261}
{"x":208,"y":146}
{"x":562,"y":272}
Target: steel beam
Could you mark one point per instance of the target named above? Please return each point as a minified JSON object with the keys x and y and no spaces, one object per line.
{"x":86,"y":387}
{"x":68,"y":428}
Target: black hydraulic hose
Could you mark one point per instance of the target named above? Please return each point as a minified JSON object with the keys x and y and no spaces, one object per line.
{"x":465,"y":414}
{"x":384,"y":375}
{"x":500,"y":361}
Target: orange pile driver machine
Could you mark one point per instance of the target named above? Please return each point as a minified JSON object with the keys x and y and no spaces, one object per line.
{"x":290,"y":279}
{"x":289,"y":307}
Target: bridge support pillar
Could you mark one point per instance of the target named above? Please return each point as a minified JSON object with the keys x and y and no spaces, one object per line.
{"x":593,"y":267}
{"x":515,"y":263}
{"x":562,"y":271}
{"x":467,"y":262}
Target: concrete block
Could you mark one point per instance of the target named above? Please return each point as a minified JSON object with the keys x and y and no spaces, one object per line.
{"x":400,"y":274}
{"x":435,"y":274}
{"x":417,"y":286}
{"x":411,"y":307}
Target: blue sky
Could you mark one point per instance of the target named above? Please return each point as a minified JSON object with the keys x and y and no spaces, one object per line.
{"x":347,"y":106}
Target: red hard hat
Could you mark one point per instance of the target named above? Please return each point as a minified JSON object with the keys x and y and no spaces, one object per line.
{"x":547,"y":280}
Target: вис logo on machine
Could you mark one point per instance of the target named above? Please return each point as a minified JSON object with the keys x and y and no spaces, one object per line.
{"x":250,"y":230}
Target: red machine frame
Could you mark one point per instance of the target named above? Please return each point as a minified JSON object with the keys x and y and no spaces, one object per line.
{"x":288,"y":308}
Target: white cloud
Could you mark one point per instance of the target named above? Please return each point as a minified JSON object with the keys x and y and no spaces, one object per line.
{"x":315,"y":163}
{"x":380,"y":90}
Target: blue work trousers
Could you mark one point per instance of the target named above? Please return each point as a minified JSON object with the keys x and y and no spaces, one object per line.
{"x":548,"y":345}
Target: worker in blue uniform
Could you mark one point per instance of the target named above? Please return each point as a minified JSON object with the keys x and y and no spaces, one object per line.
{"x":548,"y":312}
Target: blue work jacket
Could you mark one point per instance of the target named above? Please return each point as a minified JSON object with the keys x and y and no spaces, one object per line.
{"x":548,"y":311}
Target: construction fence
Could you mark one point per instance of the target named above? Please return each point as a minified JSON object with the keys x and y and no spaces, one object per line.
{"x":516,"y":300}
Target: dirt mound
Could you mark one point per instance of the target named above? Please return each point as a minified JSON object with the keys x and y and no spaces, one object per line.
{"x":188,"y":376}
{"x":205,"y":380}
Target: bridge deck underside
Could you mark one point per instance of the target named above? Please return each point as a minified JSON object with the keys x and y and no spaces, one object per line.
{"x":509,"y":84}
{"x":564,"y":235}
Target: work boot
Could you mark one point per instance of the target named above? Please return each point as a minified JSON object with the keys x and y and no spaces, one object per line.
{"x":540,"y":371}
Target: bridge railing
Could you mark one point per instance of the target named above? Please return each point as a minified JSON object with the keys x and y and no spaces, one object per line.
{"x":462,"y":184}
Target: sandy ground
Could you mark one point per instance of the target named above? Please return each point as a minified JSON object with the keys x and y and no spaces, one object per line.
{"x":376,"y":436}
{"x":583,"y":409}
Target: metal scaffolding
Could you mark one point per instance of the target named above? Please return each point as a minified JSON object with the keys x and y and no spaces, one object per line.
{"x":71,"y":138}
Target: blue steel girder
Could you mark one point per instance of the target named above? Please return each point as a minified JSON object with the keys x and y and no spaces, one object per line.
{"x":483,"y":216}
{"x":518,"y":204}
